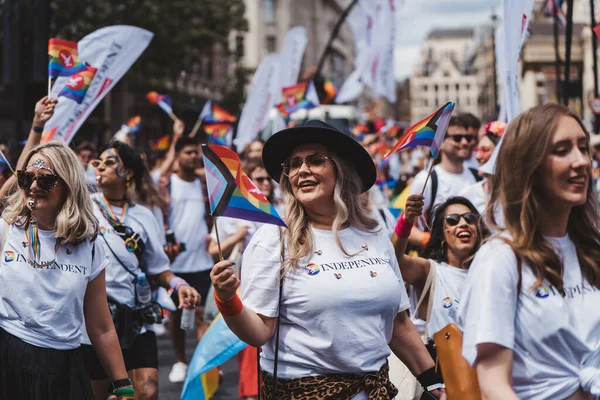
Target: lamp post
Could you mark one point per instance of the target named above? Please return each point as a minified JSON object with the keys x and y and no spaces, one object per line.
{"x":494,"y":18}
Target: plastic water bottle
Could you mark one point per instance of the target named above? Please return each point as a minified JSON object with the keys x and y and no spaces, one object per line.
{"x":188,"y":318}
{"x":142,"y":287}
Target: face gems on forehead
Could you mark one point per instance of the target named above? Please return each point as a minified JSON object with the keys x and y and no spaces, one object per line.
{"x":119,"y":167}
{"x":39,"y":164}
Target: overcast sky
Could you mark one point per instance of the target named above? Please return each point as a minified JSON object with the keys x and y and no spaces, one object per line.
{"x":416,"y":18}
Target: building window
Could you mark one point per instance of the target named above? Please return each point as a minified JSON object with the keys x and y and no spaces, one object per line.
{"x":271,"y":44}
{"x":468,"y":101}
{"x":437,"y":102}
{"x":446,"y":73}
{"x":468,"y":86}
{"x":426,"y":103}
{"x":239,"y":46}
{"x":435,"y":87}
{"x":424,"y":88}
{"x":447,"y":87}
{"x":269,"y":11}
{"x":457,"y":87}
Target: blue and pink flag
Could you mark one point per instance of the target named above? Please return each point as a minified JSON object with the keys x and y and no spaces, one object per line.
{"x":230,"y":192}
{"x":79,"y":84}
{"x":64,"y":59}
{"x":429,"y":132}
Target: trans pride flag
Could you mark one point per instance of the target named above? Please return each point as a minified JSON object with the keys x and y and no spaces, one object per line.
{"x":231,"y":193}
{"x":427,"y":132}
{"x":78,"y":85}
{"x":64,"y":60}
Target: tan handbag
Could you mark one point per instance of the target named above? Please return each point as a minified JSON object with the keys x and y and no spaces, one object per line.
{"x":460,"y":378}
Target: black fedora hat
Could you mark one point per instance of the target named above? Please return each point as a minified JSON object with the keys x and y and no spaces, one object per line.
{"x":279,"y":147}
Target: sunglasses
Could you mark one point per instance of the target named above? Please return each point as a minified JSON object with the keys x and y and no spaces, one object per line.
{"x":46,"y":182}
{"x":459,"y":138}
{"x":261,"y":179}
{"x":315,"y":163}
{"x":109,"y":162}
{"x":454,"y":219}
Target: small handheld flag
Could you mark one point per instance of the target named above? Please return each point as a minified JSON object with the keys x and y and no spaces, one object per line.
{"x":220,"y":115}
{"x":133,"y":125}
{"x":427,"y":132}
{"x":4,"y":164}
{"x":163,"y":101}
{"x":300,"y":96}
{"x":79,"y":84}
{"x":219,"y":133}
{"x":230,"y":192}
{"x":64,"y":60}
{"x":162,"y":143}
{"x":212,"y":114}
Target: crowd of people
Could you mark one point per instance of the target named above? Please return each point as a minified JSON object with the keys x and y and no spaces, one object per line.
{"x":344,"y":302}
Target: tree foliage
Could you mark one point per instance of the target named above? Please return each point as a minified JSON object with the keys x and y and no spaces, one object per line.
{"x":184,"y":30}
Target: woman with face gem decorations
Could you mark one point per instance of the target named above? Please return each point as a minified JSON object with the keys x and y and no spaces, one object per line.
{"x":530,"y":310}
{"x":325,"y":297}
{"x":131,"y":237}
{"x":438,"y":276}
{"x":52,"y":274}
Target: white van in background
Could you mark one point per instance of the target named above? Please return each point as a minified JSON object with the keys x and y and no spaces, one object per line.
{"x":340,"y":116}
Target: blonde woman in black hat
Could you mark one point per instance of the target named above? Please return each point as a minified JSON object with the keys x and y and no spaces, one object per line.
{"x":325,"y":297}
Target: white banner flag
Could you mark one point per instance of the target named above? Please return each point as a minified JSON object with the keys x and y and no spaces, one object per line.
{"x":112,"y":50}
{"x":383,"y":63}
{"x":264,"y":93}
{"x":517,"y":14}
{"x":292,"y":53}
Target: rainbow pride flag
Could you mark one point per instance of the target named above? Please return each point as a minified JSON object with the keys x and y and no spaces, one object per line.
{"x":231,"y":193}
{"x":162,"y":144}
{"x":64,"y":60}
{"x":219,"y":133}
{"x":79,"y":84}
{"x":220,"y":115}
{"x":161,"y":100}
{"x":133,"y":125}
{"x":427,"y":132}
{"x":300,"y":96}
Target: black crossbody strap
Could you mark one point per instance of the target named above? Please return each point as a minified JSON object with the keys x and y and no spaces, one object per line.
{"x":118,"y":259}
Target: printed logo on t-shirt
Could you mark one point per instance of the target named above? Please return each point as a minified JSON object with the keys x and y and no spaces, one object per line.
{"x":541,"y":292}
{"x":338,"y":276}
{"x":373,"y":274}
{"x":102,"y":230}
{"x":312,"y":269}
{"x":9,"y":256}
{"x":25,"y":244}
{"x":447,"y":302}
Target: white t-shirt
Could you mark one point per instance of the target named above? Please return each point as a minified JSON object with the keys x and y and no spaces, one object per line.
{"x":187,"y":222}
{"x":555,"y":339}
{"x":448,"y":185}
{"x":388,"y":224}
{"x":44,"y":307}
{"x":228,"y":226}
{"x":119,"y":282}
{"x":337,"y":312}
{"x":476,"y":194}
{"x":449,"y":285}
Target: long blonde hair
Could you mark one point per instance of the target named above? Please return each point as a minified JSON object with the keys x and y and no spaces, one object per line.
{"x":516,"y":191}
{"x":348,"y":210}
{"x":75,"y":221}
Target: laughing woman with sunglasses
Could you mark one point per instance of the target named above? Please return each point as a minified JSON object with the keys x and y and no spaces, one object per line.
{"x":52,"y":274}
{"x":324,"y":298}
{"x":438,"y":276}
{"x":131,"y":237}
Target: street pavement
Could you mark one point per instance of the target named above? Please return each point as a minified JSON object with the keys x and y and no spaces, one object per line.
{"x":228,"y":388}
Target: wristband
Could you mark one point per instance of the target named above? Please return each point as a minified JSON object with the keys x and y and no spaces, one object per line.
{"x":403,"y":227}
{"x":124,"y":393}
{"x":231,"y":308}
{"x":176,"y":282}
{"x":121,"y":384}
{"x":425,"y":238}
{"x":37,"y":129}
{"x":431,"y":380}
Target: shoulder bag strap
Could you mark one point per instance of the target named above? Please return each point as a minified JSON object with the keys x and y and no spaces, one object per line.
{"x":275,"y":362}
{"x":118,"y":259}
{"x":429,"y":287}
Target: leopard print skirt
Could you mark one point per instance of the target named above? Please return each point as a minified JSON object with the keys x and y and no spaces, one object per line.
{"x":330,"y":387}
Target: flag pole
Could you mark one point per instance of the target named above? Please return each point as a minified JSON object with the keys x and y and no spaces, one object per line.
{"x":427,"y":178}
{"x":49,"y":85}
{"x":173,"y":117}
{"x":195,"y":128}
{"x":218,"y":241}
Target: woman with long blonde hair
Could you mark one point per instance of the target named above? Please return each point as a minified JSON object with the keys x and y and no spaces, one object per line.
{"x":530,"y":309}
{"x":51,"y":277}
{"x":326,"y":297}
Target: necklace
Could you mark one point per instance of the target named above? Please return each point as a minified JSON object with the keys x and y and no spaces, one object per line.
{"x":111,"y":214}
{"x":35,"y":246}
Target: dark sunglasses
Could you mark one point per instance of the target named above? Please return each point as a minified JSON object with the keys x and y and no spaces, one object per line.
{"x":46,"y":182}
{"x":315,"y":162}
{"x":261,"y":179}
{"x":454,"y":219}
{"x":109,"y":162}
{"x":459,"y":138}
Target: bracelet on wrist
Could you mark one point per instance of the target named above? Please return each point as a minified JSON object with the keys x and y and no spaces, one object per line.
{"x":231,"y":308}
{"x":431,"y":380}
{"x":403,"y":227}
{"x":122,"y":383}
{"x":37,"y":129}
{"x":176,"y":282}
